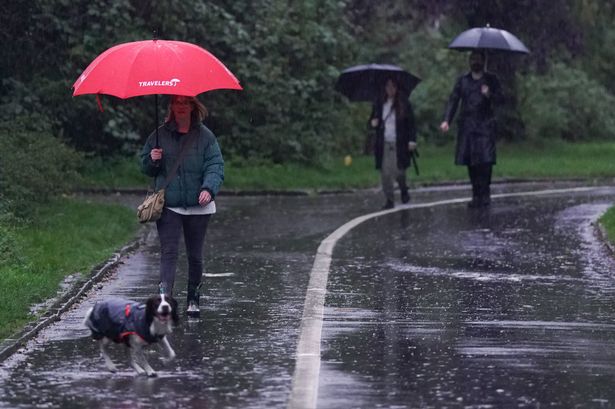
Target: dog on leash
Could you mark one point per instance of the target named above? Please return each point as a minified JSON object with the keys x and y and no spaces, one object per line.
{"x":136,"y":325}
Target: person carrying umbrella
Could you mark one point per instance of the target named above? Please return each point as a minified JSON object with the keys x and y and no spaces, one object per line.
{"x":479,"y":92}
{"x":183,"y":146}
{"x":182,"y":155}
{"x":393,"y":119}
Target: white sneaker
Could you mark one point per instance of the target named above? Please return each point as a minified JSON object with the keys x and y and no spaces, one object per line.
{"x":193,"y":310}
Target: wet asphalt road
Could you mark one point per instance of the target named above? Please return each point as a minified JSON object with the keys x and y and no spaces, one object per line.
{"x":435,"y":307}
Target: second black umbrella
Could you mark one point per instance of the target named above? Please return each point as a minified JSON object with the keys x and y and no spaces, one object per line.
{"x":366,"y":82}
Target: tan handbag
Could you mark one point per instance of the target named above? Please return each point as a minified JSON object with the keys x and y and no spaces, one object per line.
{"x":151,"y":208}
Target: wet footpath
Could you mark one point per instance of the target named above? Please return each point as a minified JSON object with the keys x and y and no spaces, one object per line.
{"x":435,"y":306}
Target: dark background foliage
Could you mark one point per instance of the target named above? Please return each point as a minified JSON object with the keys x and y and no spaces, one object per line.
{"x":287,"y":56}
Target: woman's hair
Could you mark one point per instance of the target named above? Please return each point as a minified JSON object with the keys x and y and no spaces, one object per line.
{"x":199,"y":112}
{"x":400,"y":110}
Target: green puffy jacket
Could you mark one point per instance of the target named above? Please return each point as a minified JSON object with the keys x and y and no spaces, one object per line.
{"x":201,"y":168}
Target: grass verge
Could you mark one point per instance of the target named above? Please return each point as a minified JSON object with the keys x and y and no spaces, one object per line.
{"x":64,"y":237}
{"x":555,"y":160}
{"x":607,"y":220}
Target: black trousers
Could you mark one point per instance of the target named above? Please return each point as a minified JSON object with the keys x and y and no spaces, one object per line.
{"x":170,"y":227}
{"x":480,"y":177}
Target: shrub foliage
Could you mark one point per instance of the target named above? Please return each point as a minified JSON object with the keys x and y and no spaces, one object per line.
{"x":35,"y":164}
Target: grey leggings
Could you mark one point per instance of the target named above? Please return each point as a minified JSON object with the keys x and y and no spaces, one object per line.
{"x":169,"y":229}
{"x":390,"y":172}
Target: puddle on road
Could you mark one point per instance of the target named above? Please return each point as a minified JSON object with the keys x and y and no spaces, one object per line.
{"x":512,"y":309}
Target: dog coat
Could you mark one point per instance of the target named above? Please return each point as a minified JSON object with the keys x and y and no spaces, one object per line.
{"x":117,"y":318}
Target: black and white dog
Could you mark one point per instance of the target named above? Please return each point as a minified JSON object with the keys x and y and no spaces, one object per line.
{"x":135,"y":325}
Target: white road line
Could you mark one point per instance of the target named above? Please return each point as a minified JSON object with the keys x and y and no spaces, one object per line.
{"x":304,"y":392}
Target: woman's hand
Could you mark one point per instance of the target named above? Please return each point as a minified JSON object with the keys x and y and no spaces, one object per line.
{"x":444,"y":126}
{"x":204,"y":198}
{"x":374,"y":122}
{"x":156,"y":154}
{"x":411,"y":146}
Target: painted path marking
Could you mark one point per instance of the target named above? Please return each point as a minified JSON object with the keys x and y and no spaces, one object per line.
{"x":304,"y":391}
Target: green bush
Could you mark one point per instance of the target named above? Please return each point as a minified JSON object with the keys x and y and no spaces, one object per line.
{"x":424,"y":53}
{"x":7,"y":234}
{"x":285,"y":55}
{"x":566,"y":103}
{"x":34,"y":165}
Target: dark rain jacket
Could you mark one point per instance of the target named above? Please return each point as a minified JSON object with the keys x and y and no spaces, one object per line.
{"x":476,"y":123}
{"x":405,"y":131}
{"x":117,"y":318}
{"x":201,"y":168}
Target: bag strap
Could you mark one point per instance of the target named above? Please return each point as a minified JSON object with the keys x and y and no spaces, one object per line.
{"x":390,"y":111}
{"x":184,"y":147}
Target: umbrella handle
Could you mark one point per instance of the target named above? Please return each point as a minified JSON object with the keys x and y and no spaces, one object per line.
{"x":157,"y":161}
{"x":413,"y":156}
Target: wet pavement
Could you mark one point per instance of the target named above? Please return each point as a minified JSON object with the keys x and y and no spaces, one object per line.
{"x":433,"y":307}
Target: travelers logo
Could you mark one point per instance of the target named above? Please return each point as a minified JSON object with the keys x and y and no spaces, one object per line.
{"x":172,"y":83}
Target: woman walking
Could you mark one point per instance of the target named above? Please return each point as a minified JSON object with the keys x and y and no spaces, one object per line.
{"x":189,"y":165}
{"x":393,"y":119}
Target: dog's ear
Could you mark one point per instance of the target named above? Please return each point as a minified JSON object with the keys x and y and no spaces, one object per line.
{"x":174,"y":313}
{"x":150,"y":309}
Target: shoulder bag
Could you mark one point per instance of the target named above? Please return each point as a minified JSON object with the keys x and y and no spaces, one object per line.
{"x":151,"y":208}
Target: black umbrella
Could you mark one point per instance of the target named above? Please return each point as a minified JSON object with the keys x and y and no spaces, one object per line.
{"x":488,"y":38}
{"x":366,"y":82}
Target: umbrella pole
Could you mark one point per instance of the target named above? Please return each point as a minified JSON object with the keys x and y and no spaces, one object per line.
{"x":156,"y":115}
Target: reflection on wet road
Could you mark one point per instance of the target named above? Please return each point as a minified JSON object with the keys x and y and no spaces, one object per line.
{"x":434,"y":307}
{"x":512,"y":307}
{"x":239,"y":354}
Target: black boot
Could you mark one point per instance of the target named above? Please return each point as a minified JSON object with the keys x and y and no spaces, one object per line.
{"x":403,"y":188}
{"x":485,"y":185}
{"x":485,"y":194}
{"x":475,"y":202}
{"x":485,"y":200}
{"x":192,"y":300}
{"x":405,"y":197}
{"x":473,"y":172}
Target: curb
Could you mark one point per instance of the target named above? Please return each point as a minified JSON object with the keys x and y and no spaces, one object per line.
{"x":603,"y":237}
{"x":311,"y":192}
{"x":234,"y":192}
{"x":68,"y":298}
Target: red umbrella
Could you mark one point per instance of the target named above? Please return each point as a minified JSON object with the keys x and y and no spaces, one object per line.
{"x":154,"y":67}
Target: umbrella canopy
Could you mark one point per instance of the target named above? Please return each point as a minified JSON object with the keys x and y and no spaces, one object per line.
{"x":154,"y":67}
{"x":366,"y":82}
{"x":488,"y":38}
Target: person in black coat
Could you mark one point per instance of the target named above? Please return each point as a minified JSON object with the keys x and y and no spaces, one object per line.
{"x":393,"y":119}
{"x":478,"y":91}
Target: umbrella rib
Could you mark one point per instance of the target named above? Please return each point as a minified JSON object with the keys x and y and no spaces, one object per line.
{"x":132,"y":66}
{"x":174,"y":51}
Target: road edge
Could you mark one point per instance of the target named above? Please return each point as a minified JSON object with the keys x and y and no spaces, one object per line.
{"x":70,"y":296}
{"x":305,"y":380}
{"x":603,"y":237}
